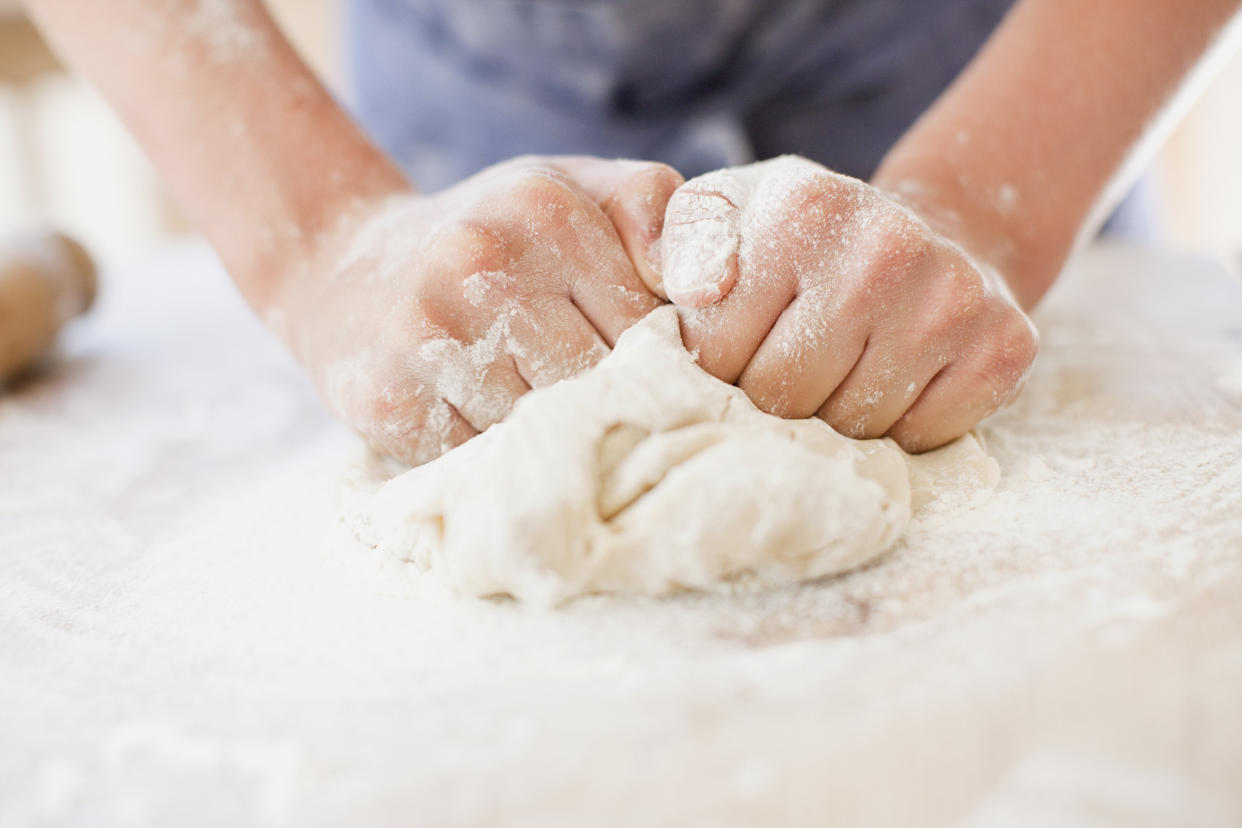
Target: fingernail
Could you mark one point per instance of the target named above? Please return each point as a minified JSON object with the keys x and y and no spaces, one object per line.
{"x":699,"y":258}
{"x":702,"y":231}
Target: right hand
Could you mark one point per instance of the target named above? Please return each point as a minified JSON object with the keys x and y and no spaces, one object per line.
{"x":821,"y":295}
{"x":425,"y":318}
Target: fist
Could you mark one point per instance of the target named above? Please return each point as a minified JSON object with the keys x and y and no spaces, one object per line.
{"x":430,"y":316}
{"x":820,"y":295}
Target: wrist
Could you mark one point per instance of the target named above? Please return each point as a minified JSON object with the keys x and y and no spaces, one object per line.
{"x":989,"y":224}
{"x":337,"y":270}
{"x":306,"y":226}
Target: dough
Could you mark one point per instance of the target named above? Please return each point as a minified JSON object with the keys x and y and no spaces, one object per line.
{"x":646,"y":475}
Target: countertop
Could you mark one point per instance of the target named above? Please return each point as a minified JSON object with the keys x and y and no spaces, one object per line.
{"x":191,"y":634}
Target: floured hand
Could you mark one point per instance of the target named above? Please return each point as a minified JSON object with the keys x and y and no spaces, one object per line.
{"x":819,"y":294}
{"x":431,"y":315}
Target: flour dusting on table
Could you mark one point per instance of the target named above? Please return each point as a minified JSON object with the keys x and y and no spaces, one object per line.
{"x":190,"y":635}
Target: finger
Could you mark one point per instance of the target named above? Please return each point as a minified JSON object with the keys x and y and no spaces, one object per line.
{"x":634,"y":196}
{"x":545,"y":335}
{"x":968,"y":390}
{"x":477,"y":378}
{"x":554,"y":341}
{"x":604,"y":284}
{"x":787,"y":202}
{"x":725,"y":336}
{"x":560,"y":242}
{"x":702,"y":237}
{"x":812,"y":347}
{"x":488,"y":396}
{"x":415,"y":441}
{"x":950,"y":405}
{"x":389,"y":393}
{"x":880,"y":388}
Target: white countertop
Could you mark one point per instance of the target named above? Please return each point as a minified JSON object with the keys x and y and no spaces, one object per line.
{"x":190,"y":633}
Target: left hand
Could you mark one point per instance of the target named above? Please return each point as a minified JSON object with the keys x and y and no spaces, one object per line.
{"x":820,"y":295}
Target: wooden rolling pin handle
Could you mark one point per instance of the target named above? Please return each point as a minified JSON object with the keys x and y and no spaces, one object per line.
{"x":45,"y":280}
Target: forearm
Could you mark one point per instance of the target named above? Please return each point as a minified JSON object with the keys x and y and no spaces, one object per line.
{"x":1017,"y":157}
{"x":244,"y":136}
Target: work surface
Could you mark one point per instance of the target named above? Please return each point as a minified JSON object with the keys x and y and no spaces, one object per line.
{"x":190,"y":633}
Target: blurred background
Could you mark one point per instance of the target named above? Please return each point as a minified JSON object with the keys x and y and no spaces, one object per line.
{"x":65,"y":159}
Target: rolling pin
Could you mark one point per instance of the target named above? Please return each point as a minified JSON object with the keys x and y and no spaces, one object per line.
{"x":46,"y":279}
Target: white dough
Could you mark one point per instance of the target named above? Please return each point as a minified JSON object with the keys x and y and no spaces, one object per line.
{"x":647,"y":475}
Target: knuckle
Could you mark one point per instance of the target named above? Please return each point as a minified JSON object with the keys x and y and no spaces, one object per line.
{"x":654,"y":177}
{"x":363,"y":393}
{"x":803,"y":189}
{"x":541,"y":190}
{"x":795,"y":183}
{"x":894,"y":258}
{"x":645,"y":194}
{"x":1019,"y":346}
{"x":793,"y":177}
{"x":464,"y":247}
{"x":1024,"y":336}
{"x":957,"y":298}
{"x":950,"y":301}
{"x":1010,"y":358}
{"x":436,"y":307}
{"x":901,"y":246}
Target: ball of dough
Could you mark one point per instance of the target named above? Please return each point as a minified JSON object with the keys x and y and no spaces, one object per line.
{"x":645,"y":475}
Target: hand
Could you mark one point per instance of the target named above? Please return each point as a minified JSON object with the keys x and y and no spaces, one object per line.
{"x":427,"y":317}
{"x":820,"y":295}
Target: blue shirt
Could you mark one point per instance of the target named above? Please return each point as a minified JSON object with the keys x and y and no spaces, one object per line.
{"x":451,"y":86}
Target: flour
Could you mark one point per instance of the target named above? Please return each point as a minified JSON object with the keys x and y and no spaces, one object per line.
{"x":190,"y":636}
{"x":1007,"y":199}
{"x":477,"y":286}
{"x":462,"y":372}
{"x":226,"y":29}
{"x":1231,"y":380}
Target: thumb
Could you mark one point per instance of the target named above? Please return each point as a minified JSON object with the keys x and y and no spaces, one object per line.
{"x":702,"y":232}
